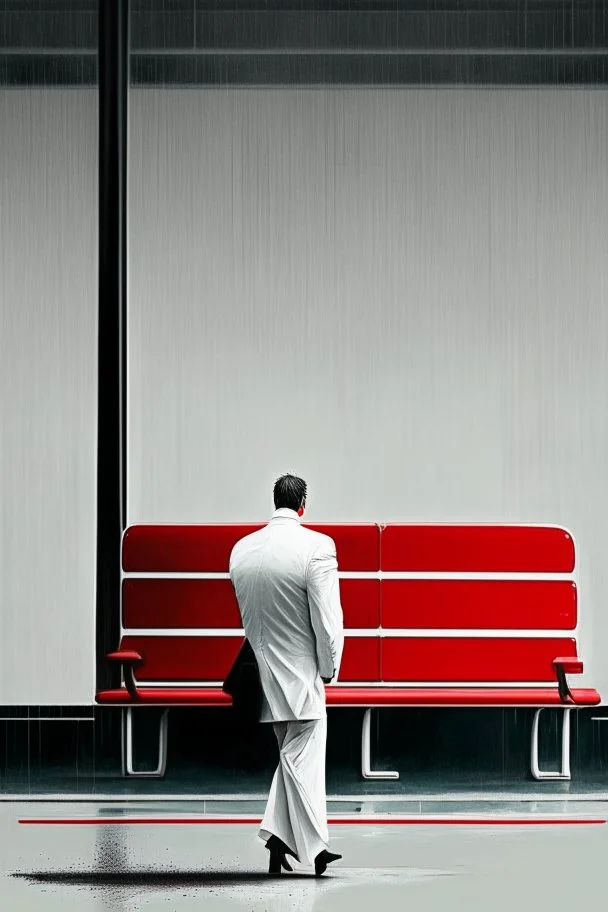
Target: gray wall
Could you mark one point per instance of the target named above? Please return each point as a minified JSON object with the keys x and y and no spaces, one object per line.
{"x":48,"y":395}
{"x":398,"y":294}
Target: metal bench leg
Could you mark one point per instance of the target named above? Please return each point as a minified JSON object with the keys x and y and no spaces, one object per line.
{"x":366,"y":770}
{"x":127,"y":747}
{"x":565,"y":760}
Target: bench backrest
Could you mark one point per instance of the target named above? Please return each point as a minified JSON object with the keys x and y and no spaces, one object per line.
{"x":442,"y":604}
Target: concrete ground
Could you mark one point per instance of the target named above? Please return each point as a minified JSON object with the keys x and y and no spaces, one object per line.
{"x":420,"y":865}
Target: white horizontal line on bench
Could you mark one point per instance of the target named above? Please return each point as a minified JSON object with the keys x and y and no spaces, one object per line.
{"x":386,"y":685}
{"x":378,"y":574}
{"x":451,"y":575}
{"x":464,"y":632}
{"x":418,"y":632}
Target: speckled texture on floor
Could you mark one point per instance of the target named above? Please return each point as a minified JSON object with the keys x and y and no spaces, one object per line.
{"x":423,"y":867}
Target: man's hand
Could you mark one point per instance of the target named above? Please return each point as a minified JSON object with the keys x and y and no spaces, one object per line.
{"x":328,"y":680}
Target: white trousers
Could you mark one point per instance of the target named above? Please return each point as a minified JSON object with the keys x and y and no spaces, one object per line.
{"x":297,"y":804}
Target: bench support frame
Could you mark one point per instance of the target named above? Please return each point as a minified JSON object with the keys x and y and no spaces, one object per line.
{"x":366,"y":763}
{"x":128,"y":770}
{"x":564,"y":772}
{"x":126,"y":746}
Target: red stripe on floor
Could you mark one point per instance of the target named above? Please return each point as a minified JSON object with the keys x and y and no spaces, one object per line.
{"x":366,"y":821}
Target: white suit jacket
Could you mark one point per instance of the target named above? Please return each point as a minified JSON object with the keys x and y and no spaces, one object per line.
{"x":286,"y":582}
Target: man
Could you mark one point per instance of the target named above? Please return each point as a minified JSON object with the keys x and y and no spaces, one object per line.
{"x":286,"y":582}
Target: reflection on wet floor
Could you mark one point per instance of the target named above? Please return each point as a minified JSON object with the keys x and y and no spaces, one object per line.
{"x":127,"y":868}
{"x":365,"y":807}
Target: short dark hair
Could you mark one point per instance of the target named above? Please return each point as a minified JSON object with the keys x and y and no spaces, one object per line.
{"x":289,"y":491}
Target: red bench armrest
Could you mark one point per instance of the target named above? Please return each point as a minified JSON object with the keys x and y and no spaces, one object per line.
{"x":571,"y":665}
{"x":125,"y":655}
{"x":129,"y":661}
{"x":563,"y":666}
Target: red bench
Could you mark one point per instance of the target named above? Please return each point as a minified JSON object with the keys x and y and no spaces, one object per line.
{"x":434,"y":615}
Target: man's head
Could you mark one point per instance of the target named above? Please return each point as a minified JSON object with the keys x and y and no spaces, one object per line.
{"x":290,"y":491}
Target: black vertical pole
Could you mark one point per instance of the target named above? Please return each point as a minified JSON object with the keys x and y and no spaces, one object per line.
{"x":111,"y":421}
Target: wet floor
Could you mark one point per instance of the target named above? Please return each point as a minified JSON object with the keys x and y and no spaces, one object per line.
{"x":421,"y":865}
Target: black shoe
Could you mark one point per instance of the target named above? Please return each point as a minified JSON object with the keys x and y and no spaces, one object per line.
{"x":278,"y":850}
{"x":322,"y":860}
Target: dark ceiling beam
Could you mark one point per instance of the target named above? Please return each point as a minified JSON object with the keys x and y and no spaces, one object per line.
{"x":550,"y":29}
{"x":302,"y":42}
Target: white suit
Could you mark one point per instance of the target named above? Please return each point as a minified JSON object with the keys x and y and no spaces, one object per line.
{"x":286,"y":583}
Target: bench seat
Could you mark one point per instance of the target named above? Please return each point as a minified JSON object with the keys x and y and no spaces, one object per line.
{"x":367,"y":696}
